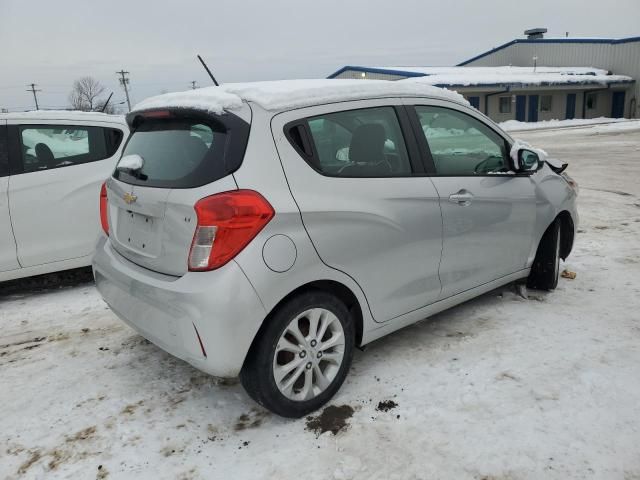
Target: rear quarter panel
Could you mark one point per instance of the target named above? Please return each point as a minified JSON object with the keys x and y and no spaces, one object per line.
{"x":262,"y":171}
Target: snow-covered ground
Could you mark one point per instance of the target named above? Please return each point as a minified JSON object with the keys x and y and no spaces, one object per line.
{"x":498,"y":388}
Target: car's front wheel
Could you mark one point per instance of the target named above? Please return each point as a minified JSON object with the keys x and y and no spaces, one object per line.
{"x":302,"y":355}
{"x":546,"y":266}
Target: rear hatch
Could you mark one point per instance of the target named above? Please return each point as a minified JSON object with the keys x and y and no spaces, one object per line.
{"x":173,"y":158}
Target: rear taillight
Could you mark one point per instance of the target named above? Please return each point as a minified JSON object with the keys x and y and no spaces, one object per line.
{"x":104,"y":218}
{"x":227,"y":222}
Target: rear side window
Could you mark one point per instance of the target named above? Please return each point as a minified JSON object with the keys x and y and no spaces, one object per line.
{"x":184,"y":152}
{"x":4,"y":154}
{"x":54,"y":146}
{"x":358,"y":143}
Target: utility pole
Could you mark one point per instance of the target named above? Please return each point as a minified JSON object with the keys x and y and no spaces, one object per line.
{"x":33,"y":90}
{"x":124,"y":81}
{"x":193,"y":85}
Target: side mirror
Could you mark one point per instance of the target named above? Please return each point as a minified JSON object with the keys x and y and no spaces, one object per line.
{"x":526,"y":160}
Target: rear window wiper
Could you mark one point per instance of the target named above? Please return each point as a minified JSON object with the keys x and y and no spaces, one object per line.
{"x":132,"y":165}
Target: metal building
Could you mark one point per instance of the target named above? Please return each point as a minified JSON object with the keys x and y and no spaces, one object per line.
{"x":621,"y":56}
{"x":537,"y":78}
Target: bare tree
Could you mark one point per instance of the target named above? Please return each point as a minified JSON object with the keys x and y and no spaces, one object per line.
{"x":85,"y":95}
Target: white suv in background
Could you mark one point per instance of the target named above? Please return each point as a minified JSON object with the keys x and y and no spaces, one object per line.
{"x":52,"y":165}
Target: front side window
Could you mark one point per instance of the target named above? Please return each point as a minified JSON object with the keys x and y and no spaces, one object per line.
{"x":505,"y":104}
{"x":592,"y":101}
{"x":546,"y":103}
{"x":359,"y":143}
{"x":54,"y":146}
{"x":460,"y":144}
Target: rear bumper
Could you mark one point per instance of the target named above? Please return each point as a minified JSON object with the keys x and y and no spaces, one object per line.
{"x":221,"y":306}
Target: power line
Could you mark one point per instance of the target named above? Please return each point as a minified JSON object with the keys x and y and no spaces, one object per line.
{"x":33,"y":90}
{"x":124,"y":81}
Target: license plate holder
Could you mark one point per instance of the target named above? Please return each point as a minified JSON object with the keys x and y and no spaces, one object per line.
{"x":138,"y":232}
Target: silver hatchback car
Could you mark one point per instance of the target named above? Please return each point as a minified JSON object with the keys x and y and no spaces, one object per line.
{"x":266,"y":230}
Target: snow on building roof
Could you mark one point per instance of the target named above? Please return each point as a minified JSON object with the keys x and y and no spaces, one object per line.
{"x":466,"y":76}
{"x":489,"y":76}
{"x":65,"y":115}
{"x":288,"y":94}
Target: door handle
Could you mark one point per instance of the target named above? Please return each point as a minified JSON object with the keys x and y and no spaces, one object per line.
{"x":462,"y":198}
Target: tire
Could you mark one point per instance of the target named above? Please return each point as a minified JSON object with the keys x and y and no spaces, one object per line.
{"x":279,"y":346}
{"x":546,"y":266}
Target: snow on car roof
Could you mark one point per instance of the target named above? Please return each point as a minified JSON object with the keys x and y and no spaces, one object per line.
{"x":67,"y":115}
{"x":471,"y":76}
{"x":288,"y":94}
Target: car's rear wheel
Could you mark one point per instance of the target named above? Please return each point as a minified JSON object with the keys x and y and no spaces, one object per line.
{"x":302,"y":355}
{"x":546,"y":266}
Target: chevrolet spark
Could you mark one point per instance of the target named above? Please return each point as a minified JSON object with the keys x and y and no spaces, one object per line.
{"x":265,"y":230}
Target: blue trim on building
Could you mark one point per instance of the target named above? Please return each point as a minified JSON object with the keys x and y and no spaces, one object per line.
{"x":376,"y":70}
{"x":610,"y":41}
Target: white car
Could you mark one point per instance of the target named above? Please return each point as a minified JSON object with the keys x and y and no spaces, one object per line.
{"x":52,"y":165}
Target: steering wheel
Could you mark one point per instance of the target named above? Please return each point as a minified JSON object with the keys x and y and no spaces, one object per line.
{"x":480,"y":168}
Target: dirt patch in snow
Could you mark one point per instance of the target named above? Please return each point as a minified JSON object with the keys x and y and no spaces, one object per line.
{"x":102,"y":472}
{"x":253,"y":419}
{"x":23,"y":342}
{"x":33,"y":458}
{"x":131,"y":408}
{"x":386,"y":405}
{"x":332,"y":419}
{"x":82,"y":434}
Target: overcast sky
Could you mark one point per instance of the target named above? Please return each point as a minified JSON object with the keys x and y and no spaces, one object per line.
{"x":53,"y":42}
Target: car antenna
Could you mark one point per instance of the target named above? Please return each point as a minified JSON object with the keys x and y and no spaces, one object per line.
{"x":208,"y":71}
{"x":106,"y":103}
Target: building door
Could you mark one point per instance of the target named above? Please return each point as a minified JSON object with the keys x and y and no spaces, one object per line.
{"x":533,"y":108}
{"x":475,"y":102}
{"x":521,"y":107}
{"x":617,"y":105}
{"x":571,"y":106}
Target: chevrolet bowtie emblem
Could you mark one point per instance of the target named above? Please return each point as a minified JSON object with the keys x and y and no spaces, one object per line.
{"x":129,"y":198}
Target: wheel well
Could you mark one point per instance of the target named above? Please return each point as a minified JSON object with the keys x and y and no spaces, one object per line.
{"x":566,"y":233}
{"x":336,"y":288}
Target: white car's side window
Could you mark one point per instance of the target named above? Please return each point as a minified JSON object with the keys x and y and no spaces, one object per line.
{"x":53,"y":146}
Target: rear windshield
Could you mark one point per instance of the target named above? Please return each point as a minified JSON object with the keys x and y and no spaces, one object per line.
{"x":184,"y":152}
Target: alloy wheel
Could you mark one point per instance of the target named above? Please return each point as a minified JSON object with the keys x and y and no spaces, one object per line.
{"x":309,"y":354}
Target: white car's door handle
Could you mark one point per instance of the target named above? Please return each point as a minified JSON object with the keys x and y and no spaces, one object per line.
{"x":463,"y":198}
